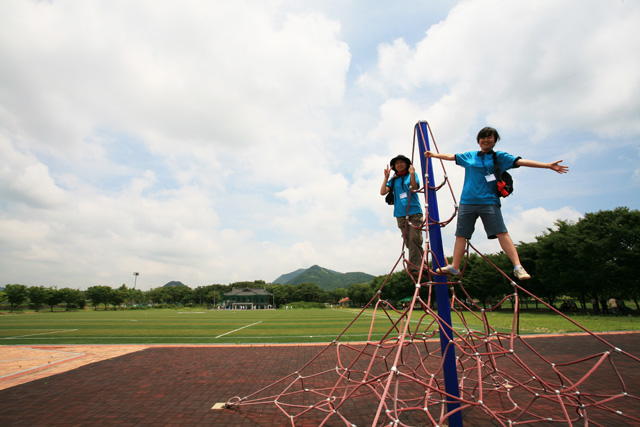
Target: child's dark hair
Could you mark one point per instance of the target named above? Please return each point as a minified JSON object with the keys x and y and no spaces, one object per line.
{"x":488,"y":131}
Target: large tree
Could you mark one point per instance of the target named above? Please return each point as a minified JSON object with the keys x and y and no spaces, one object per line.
{"x":99,"y":295}
{"x":282,"y":294}
{"x":556,"y":254}
{"x":73,"y":298}
{"x":606,"y":249}
{"x":309,"y":292}
{"x":54,"y":297}
{"x":360,"y":293}
{"x":16,"y":295}
{"x":484,"y":281}
{"x":118,"y":296}
{"x":37,"y":296}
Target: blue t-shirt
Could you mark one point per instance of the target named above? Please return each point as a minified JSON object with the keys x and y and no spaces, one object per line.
{"x":402,"y":195}
{"x":477,"y":190}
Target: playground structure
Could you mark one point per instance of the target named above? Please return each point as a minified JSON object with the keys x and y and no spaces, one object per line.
{"x":426,"y":371}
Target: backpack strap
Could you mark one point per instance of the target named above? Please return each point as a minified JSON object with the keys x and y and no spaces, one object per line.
{"x":497,"y":166}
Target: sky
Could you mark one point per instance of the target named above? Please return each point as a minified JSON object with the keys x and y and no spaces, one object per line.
{"x":216,"y":141}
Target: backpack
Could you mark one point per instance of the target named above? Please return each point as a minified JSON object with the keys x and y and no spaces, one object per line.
{"x":504,"y":180}
{"x":389,"y":197}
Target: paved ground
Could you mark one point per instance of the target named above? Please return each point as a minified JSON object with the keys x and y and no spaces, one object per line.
{"x":178,"y":385}
{"x":22,"y":364}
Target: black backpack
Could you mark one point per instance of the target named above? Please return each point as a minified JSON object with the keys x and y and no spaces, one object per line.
{"x":504,"y":181}
{"x":389,"y":197}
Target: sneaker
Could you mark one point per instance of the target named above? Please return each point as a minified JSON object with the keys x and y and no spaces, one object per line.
{"x":448,"y":270}
{"x":521,"y":273}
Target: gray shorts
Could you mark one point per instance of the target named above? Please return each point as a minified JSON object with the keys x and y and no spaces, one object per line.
{"x":491,"y":216}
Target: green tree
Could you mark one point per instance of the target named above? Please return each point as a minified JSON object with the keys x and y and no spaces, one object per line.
{"x":200,"y":295}
{"x":484,"y":281}
{"x":216,"y":294}
{"x":37,"y":296}
{"x":137,"y":296}
{"x":310,"y":292}
{"x":73,"y":298}
{"x":557,"y":262}
{"x":609,"y":244}
{"x":398,"y":285}
{"x":99,"y":295}
{"x":16,"y":295}
{"x":54,"y":297}
{"x":254,"y":284}
{"x":179,"y":295}
{"x":158,"y":295}
{"x":281,"y":293}
{"x":360,"y":293}
{"x":118,"y":296}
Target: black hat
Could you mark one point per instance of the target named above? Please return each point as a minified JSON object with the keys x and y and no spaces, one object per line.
{"x":399,"y":157}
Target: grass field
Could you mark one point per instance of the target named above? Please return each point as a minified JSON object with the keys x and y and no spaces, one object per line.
{"x":194,"y":326}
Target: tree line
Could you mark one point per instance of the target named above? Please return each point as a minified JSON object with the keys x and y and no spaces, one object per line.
{"x":106,"y":297}
{"x":590,"y":260}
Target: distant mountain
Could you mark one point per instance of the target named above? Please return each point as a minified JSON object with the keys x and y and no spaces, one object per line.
{"x":289,"y":276}
{"x":174,"y":283}
{"x":323,"y":277}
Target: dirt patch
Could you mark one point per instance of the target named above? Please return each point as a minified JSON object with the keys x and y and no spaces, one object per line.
{"x":19,"y":365}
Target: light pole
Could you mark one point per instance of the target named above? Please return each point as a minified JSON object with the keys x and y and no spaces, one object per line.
{"x":135,"y":280}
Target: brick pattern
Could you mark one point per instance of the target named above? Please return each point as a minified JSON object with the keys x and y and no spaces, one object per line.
{"x":165,"y":386}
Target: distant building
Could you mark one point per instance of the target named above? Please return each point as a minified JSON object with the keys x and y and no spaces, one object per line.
{"x":344,"y":302}
{"x":248,"y":299}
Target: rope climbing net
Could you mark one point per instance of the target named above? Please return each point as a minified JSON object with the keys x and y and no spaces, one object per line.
{"x":399,"y":376}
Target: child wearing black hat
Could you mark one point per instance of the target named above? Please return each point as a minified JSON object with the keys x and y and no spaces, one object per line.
{"x":407,"y":209}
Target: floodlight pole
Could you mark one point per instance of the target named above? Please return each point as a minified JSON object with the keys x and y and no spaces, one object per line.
{"x":135,"y":278}
{"x":442,"y":293}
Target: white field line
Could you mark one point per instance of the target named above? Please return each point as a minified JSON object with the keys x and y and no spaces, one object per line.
{"x":235,"y":330}
{"x":56,"y":331}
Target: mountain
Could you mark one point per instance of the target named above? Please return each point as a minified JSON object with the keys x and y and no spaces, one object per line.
{"x":174,"y":283}
{"x":323,"y":277}
{"x":289,"y":276}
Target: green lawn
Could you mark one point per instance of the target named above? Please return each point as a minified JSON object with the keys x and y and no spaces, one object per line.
{"x":198,"y":326}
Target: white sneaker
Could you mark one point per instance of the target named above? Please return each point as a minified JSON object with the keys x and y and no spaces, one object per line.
{"x":448,"y":270}
{"x":521,"y":273}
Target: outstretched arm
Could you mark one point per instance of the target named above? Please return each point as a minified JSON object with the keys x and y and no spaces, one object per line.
{"x":555,"y":166}
{"x":441,"y":156}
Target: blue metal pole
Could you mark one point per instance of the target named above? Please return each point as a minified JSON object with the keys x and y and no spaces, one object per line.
{"x":442,"y":293}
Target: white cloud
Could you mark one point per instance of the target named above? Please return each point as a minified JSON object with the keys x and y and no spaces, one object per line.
{"x":25,"y":180}
{"x":533,"y":66}
{"x":524,"y":225}
{"x":221,"y":141}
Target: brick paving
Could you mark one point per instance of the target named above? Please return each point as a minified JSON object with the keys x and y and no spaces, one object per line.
{"x":178,"y":385}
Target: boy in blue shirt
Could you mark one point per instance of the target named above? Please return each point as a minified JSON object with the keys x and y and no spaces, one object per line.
{"x":406,"y":206}
{"x":480,"y":197}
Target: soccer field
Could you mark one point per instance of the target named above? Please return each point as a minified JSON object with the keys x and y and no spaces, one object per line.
{"x":189,"y":326}
{"x":199,"y":326}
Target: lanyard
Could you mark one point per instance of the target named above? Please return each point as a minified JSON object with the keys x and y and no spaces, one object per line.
{"x":482,"y":156}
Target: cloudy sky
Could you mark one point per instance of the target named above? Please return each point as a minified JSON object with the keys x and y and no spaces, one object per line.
{"x":218,"y":141}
